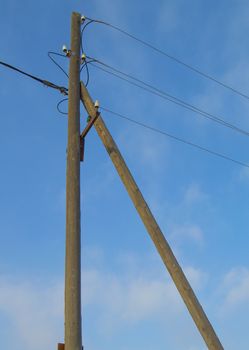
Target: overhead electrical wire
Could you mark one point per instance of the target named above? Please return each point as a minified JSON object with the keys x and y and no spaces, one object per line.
{"x":58,"y":106}
{"x":81,"y":34}
{"x":50,"y":53}
{"x":84,"y":65}
{"x":176,"y":138}
{"x":171,"y":57}
{"x":66,"y":99}
{"x":87,"y":74}
{"x":164,"y":95}
{"x":62,"y":89}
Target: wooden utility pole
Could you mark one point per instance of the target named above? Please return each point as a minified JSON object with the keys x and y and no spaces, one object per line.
{"x":73,"y":338}
{"x":181,"y":282}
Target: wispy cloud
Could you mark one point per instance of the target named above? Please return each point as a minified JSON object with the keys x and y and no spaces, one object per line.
{"x":235,"y":286}
{"x":187,"y":232}
{"x":34,"y":310}
{"x":115,"y":300}
{"x":194,"y":194}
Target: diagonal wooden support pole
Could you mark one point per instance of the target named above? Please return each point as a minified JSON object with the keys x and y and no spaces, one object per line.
{"x":181,"y":282}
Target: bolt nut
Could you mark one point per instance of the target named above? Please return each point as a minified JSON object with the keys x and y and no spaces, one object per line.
{"x":69,"y":53}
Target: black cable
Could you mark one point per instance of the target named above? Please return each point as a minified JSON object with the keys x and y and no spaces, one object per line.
{"x":85,"y":65}
{"x":217,"y":154}
{"x":87,"y":72}
{"x":22,"y":72}
{"x":82,"y":67}
{"x":57,"y":64}
{"x":164,"y":53}
{"x":81,"y":34}
{"x":58,"y":105}
{"x":87,"y":81}
{"x":153,"y":90}
{"x":62,"y":89}
{"x":82,"y":51}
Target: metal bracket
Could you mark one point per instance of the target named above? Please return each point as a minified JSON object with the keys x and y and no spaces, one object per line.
{"x":61,"y":346}
{"x":82,"y":149}
{"x":84,"y":133}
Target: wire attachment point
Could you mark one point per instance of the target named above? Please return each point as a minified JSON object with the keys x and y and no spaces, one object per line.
{"x":83,"y":58}
{"x":67,"y":52}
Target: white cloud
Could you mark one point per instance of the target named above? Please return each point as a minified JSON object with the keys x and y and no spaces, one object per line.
{"x":187,"y":232}
{"x":236,"y":287}
{"x":34,"y":310}
{"x":130,"y":299}
{"x":196,"y":277}
{"x":193,"y":194}
{"x":146,"y":148}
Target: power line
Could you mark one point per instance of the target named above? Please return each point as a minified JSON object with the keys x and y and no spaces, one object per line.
{"x":62,"y":89}
{"x":85,"y":65}
{"x":58,"y":106}
{"x":81,"y":35}
{"x":171,"y":57}
{"x":166,"y":96}
{"x":217,"y":154}
{"x":50,"y":53}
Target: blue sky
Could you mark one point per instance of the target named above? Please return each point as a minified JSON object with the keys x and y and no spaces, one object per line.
{"x":200,"y":202}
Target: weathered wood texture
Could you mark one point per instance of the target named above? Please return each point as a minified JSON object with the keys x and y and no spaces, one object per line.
{"x":181,"y":282}
{"x":73,"y":338}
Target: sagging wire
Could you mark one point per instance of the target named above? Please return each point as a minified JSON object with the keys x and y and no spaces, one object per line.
{"x":87,"y":73}
{"x":47,"y":83}
{"x":58,"y":105}
{"x":176,"y":138}
{"x":50,"y":53}
{"x":87,"y":81}
{"x":81,"y":34}
{"x":84,"y":62}
{"x":166,"y":96}
{"x":85,"y":65}
{"x":171,"y":57}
